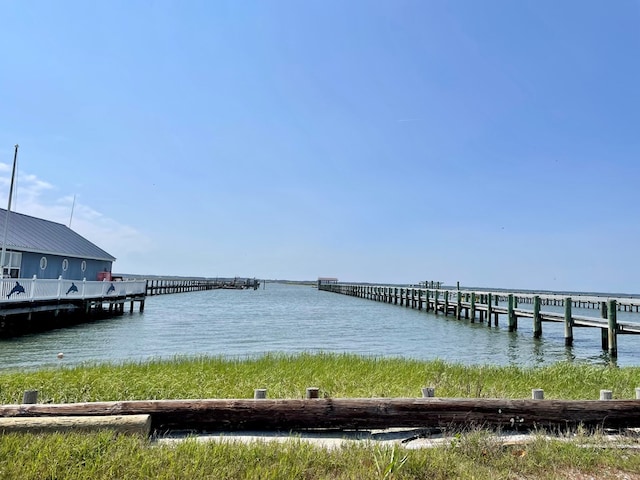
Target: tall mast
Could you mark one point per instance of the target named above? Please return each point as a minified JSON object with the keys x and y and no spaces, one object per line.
{"x":6,"y":220}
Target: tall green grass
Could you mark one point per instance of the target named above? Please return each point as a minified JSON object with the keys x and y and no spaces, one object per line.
{"x":288,"y":376}
{"x":474,"y":456}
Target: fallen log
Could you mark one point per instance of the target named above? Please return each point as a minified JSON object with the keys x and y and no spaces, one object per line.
{"x":129,"y":424}
{"x":352,"y":413}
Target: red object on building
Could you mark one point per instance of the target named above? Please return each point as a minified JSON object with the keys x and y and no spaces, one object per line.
{"x":104,"y":276}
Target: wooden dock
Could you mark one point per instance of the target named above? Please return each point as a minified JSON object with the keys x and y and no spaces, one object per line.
{"x":168,"y":285}
{"x":31,"y":304}
{"x":484,"y":306}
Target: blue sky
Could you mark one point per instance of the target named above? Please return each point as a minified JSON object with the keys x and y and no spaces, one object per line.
{"x":495,"y":143}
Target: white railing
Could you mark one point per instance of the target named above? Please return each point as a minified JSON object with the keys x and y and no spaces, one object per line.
{"x":21,"y":289}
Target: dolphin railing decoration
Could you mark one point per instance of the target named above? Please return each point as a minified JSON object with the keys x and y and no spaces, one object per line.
{"x":31,"y":289}
{"x":17,"y":289}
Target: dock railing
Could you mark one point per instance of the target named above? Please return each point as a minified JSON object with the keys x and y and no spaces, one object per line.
{"x":13,"y":290}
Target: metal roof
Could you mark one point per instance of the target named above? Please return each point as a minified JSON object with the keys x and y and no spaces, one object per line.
{"x":31,"y":234}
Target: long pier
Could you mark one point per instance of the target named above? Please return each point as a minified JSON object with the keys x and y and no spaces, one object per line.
{"x":167,"y":285}
{"x":484,"y":306}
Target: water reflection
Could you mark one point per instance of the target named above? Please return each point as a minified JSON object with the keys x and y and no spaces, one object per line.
{"x":538,"y":351}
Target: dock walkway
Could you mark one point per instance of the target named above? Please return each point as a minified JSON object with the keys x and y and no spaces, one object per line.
{"x":485,"y":306}
{"x":32,"y":304}
{"x":167,"y":285}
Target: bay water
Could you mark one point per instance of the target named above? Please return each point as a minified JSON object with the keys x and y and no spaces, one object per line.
{"x":292,"y":319}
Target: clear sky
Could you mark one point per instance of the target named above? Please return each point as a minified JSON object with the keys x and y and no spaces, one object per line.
{"x":494,"y":142}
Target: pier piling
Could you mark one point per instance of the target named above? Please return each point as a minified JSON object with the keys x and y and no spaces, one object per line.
{"x":568,"y":323}
{"x":473,"y":307}
{"x":537,"y":320}
{"x":613,"y":330}
{"x":513,"y":319}
{"x":604,"y":332}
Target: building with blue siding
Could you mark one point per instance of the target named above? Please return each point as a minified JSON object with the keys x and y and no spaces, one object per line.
{"x":50,"y":250}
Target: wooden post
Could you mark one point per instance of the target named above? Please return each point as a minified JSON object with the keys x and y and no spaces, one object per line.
{"x":312,"y":392}
{"x":459,"y":304}
{"x":537,"y":320}
{"x":488,"y":310}
{"x":604,"y":337}
{"x":446,"y":302}
{"x":606,"y":394}
{"x":435,"y":301}
{"x":260,"y":393}
{"x":473,"y":307}
{"x":613,"y":329}
{"x":568,"y":323}
{"x":428,"y":392}
{"x":537,"y":394}
{"x":427,"y":301}
{"x":513,"y":319}
{"x":30,"y":396}
{"x":467,"y":299}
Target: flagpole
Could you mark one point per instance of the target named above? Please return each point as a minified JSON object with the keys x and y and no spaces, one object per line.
{"x":72,"y":208}
{"x":6,"y":220}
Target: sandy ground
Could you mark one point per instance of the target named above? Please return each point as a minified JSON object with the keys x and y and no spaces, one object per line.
{"x":407,"y":438}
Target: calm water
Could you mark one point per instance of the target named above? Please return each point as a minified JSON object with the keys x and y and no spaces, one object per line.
{"x":290,"y":319}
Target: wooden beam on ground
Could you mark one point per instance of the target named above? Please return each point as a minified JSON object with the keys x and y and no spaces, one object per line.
{"x":352,"y":413}
{"x":129,"y":424}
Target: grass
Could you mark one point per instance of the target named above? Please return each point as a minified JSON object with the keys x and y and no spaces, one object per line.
{"x":288,"y":376}
{"x":475,"y":454}
{"x":472,"y":456}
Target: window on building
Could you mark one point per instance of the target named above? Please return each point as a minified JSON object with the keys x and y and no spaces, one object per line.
{"x":83,"y":265}
{"x":65,"y":265}
{"x":43,"y":263}
{"x":12,"y":262}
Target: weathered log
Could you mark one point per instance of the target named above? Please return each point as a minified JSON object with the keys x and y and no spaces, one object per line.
{"x":130,"y":424}
{"x":351,"y":413}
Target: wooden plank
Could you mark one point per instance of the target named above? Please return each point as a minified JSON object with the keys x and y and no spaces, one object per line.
{"x":343,"y":413}
{"x":130,"y":424}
